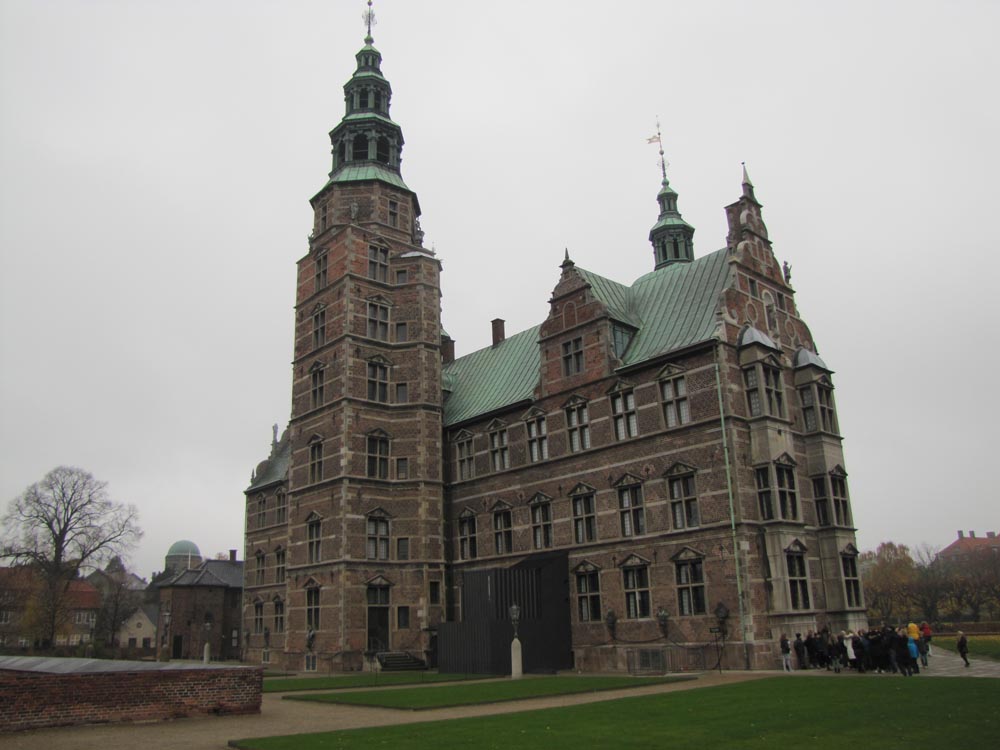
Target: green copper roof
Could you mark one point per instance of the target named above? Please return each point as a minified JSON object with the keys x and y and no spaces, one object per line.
{"x":368,"y":116}
{"x":367,"y":171}
{"x":670,"y":221}
{"x":672,"y":307}
{"x":492,"y":378}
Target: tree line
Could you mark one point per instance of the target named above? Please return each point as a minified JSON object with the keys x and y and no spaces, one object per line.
{"x":903,"y":585}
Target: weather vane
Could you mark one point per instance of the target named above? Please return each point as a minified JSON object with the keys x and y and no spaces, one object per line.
{"x":369,"y":18}
{"x":659,"y":141}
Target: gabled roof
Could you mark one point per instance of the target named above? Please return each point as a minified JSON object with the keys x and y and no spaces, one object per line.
{"x":492,"y":378}
{"x":274,"y":468}
{"x":671,"y":308}
{"x":227,"y":573}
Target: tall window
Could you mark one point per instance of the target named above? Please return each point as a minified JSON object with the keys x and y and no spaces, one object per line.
{"x":393,"y":214}
{"x":402,"y":393}
{"x":578,"y":426}
{"x":313,"y":541}
{"x":378,"y":321}
{"x":402,"y":333}
{"x":322,"y":262}
{"x":541,"y":525}
{"x":378,"y":457}
{"x":683,"y":503}
{"x":764,"y":501}
{"x":773,"y":395}
{"x":623,"y":415}
{"x":621,"y":337}
{"x":403,"y":548}
{"x":572,"y":356}
{"x":636,"y":592}
{"x":316,"y":462}
{"x":841,"y":510}
{"x":378,"y":263}
{"x":258,"y":617}
{"x":752,"y":386}
{"x":630,"y":511}
{"x":817,"y":408}
{"x":279,"y":616}
{"x":312,"y":608}
{"x":259,"y":573}
{"x":318,"y":383}
{"x":319,"y":328}
{"x":690,"y":587}
{"x":503,"y":535}
{"x":787,"y":498}
{"x":279,"y":566}
{"x":466,"y":458}
{"x":402,"y":468}
{"x":852,"y":583}
{"x":324,"y":216}
{"x":675,"y":403}
{"x":798,"y":580}
{"x":261,"y":512}
{"x":377,"y":547}
{"x":281,"y":507}
{"x":584,"y":520}
{"x":538,"y":441}
{"x":467,"y":537}
{"x":588,"y":596}
{"x":378,"y":382}
{"x":499,"y":454}
{"x":822,"y":501}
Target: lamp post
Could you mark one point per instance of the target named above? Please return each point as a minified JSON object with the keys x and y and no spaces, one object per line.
{"x":516,"y":664}
{"x":663,"y":620}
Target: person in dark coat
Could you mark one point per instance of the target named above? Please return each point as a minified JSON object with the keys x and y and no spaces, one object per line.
{"x":786,"y":653}
{"x":800,"y":651}
{"x":963,"y":647}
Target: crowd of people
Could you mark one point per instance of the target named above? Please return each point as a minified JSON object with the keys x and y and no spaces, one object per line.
{"x":901,"y":650}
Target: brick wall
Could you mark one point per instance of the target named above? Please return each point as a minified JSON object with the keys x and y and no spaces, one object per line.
{"x":29,"y":700}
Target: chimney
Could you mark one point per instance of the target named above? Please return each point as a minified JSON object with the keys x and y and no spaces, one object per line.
{"x":498,"y":333}
{"x":961,"y":534}
{"x":972,"y":534}
{"x":991,"y":535}
{"x":232,"y":555}
{"x":447,"y":350}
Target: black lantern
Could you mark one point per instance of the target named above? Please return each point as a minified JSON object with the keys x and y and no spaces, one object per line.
{"x":663,"y":620}
{"x":515,"y":617}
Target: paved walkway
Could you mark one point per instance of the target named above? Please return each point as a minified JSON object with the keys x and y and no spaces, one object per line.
{"x":293,"y":717}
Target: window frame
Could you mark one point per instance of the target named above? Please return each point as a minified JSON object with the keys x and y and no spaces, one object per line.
{"x":377,"y":321}
{"x":312,"y":608}
{"x":631,"y":511}
{"x":674,"y":399}
{"x":377,"y":453}
{"x":377,"y":537}
{"x":578,"y":427}
{"x":467,"y":538}
{"x":465,"y":457}
{"x":635,"y":583}
{"x":499,"y":449}
{"x":624,"y":416}
{"x":378,"y":263}
{"x":572,"y":356}
{"x":503,"y":531}
{"x":377,"y":378}
{"x":541,"y":524}
{"x":314,"y":541}
{"x":690,"y":579}
{"x":588,"y":595}
{"x":538,"y":440}
{"x":683,"y":493}
{"x":798,"y":580}
{"x":584,"y":507}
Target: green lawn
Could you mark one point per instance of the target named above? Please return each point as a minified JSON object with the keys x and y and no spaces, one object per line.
{"x":366,"y":679}
{"x":822,"y":713}
{"x":482,"y":692}
{"x":980,"y":646}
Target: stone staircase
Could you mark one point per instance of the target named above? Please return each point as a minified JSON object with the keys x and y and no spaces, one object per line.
{"x":399,"y":661}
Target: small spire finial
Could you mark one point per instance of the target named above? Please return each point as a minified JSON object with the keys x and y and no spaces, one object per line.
{"x":369,"y":18}
{"x":657,"y":139}
{"x":747,"y":185}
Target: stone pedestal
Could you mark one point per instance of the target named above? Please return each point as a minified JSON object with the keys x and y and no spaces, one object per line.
{"x":516,"y":669}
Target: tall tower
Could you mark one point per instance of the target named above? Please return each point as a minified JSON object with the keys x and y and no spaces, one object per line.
{"x":672,"y":237}
{"x":364,"y":540}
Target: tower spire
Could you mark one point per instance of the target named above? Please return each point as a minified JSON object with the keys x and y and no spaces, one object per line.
{"x":369,"y":18}
{"x":672,"y":237}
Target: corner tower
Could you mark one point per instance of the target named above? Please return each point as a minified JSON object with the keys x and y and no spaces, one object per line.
{"x":363,"y":537}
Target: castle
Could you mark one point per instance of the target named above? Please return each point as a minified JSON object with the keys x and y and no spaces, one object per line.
{"x":652,"y":474}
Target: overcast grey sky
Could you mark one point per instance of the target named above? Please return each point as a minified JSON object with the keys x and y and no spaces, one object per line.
{"x":156,"y":160}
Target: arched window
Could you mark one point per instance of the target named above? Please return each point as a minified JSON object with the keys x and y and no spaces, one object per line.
{"x":382,"y":153}
{"x":360,"y":147}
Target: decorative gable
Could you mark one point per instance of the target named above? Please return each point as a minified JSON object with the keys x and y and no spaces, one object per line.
{"x":539,"y":497}
{"x":467,"y":513}
{"x":496,"y":424}
{"x":851,"y":550}
{"x":670,"y":371}
{"x":311,"y":583}
{"x":627,"y":480}
{"x":574,"y":401}
{"x":688,"y":553}
{"x":796,"y":547}
{"x":378,"y":299}
{"x":378,"y":359}
{"x":500,"y":505}
{"x":533,"y":413}
{"x":633,"y":561}
{"x":586,"y":567}
{"x":378,"y":512}
{"x":313,"y":516}
{"x":838,"y":471}
{"x":379,"y":580}
{"x":785,"y":460}
{"x":680,"y":469}
{"x":582,"y":489}
{"x":620,"y":385}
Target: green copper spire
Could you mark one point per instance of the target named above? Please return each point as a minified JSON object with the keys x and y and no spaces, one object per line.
{"x":367,"y":144}
{"x":672,"y":237}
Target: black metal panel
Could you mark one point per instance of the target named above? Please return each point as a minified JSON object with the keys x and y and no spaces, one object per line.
{"x":480,"y":643}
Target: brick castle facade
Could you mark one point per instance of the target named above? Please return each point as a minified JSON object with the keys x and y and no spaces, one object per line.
{"x":676,"y":438}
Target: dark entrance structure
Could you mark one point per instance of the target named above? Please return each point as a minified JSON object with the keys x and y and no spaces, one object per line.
{"x":480,"y":642}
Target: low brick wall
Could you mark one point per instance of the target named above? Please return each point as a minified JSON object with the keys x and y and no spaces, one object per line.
{"x":32,"y":699}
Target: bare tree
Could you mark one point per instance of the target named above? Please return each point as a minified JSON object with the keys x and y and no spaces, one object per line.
{"x":60,"y":525}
